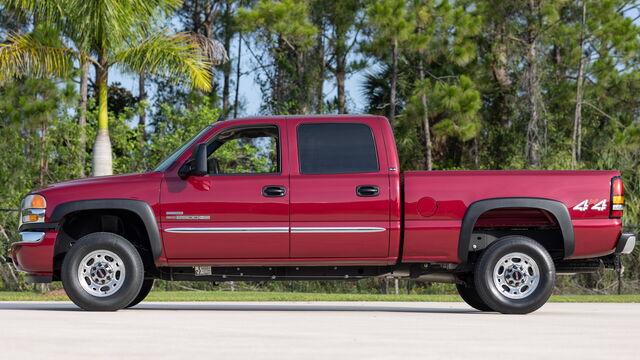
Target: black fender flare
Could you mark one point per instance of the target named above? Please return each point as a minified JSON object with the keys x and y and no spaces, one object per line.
{"x":140,"y":208}
{"x":556,"y":208}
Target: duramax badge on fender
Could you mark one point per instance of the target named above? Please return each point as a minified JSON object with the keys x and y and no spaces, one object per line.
{"x":319,"y":197}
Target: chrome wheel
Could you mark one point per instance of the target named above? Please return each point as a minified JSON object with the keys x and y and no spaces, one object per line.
{"x":101,"y":273}
{"x":516,"y":275}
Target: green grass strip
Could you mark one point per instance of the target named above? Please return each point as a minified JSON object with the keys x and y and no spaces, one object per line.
{"x":282,"y":296}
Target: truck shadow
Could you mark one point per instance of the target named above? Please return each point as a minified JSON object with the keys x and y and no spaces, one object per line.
{"x":55,"y":306}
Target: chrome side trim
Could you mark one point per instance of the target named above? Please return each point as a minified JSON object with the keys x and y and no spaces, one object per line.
{"x":323,"y":230}
{"x":31,"y":236}
{"x":256,"y":230}
{"x":228,"y":230}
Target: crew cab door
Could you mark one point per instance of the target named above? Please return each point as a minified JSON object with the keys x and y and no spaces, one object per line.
{"x":240,"y":209}
{"x":339,"y":189}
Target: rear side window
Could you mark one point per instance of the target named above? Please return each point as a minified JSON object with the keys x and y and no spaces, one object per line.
{"x":336,"y":148}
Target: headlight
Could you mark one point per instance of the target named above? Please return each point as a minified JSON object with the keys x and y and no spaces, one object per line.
{"x":33,"y":209}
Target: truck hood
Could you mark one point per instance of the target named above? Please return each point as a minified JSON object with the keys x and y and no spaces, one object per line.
{"x":144,"y":186}
{"x":95,"y":181}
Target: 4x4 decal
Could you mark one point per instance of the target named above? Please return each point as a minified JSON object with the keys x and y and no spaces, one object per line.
{"x":584,"y":206}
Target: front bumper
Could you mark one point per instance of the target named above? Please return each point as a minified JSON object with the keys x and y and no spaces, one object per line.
{"x":626,"y":243}
{"x":34,"y":253}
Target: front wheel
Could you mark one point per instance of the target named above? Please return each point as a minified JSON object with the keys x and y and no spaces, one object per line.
{"x":102,"y":272}
{"x":147,"y":285}
{"x":515,"y":275}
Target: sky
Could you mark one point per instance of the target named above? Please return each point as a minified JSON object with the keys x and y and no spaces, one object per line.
{"x":250,"y":94}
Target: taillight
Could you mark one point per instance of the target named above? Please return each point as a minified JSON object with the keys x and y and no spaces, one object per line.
{"x":617,"y":197}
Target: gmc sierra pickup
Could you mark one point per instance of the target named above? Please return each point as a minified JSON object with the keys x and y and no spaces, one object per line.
{"x":319,"y":198}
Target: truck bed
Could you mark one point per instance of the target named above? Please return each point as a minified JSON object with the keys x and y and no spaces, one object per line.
{"x":436,"y":202}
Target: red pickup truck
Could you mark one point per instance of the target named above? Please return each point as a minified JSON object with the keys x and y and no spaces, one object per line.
{"x":319,"y":198}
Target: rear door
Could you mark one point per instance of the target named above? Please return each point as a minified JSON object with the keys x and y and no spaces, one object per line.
{"x":339,"y":189}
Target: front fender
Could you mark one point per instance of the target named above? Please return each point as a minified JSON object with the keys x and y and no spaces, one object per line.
{"x":140,"y":208}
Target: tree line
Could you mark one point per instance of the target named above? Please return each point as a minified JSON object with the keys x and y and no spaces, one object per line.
{"x":510,"y":84}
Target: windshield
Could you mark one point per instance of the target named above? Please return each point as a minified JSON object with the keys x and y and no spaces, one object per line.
{"x":164,"y":165}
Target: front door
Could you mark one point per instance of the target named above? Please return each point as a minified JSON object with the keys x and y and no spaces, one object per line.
{"x":240,"y":209}
{"x":340,"y":198}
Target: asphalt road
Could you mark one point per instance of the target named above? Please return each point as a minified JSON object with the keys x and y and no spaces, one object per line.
{"x":318,"y":330}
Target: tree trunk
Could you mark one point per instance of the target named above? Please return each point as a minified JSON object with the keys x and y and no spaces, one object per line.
{"x":577,"y":117}
{"x":44,"y":164}
{"x":238,"y":75}
{"x":501,"y":75}
{"x":303,"y":96}
{"x":226,"y":67}
{"x":533,"y":127}
{"x":321,"y":71}
{"x":82,"y":119}
{"x":532,"y":149}
{"x":102,"y":157}
{"x":341,"y":75}
{"x":142,"y":93}
{"x":341,"y":69}
{"x":426,"y":128}
{"x":278,"y":87}
{"x":476,"y":153}
{"x":394,"y":81}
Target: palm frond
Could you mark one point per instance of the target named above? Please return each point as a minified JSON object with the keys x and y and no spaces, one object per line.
{"x":42,"y":10}
{"x":26,"y":54}
{"x":107,"y":24}
{"x":178,"y":56}
{"x":212,"y":50}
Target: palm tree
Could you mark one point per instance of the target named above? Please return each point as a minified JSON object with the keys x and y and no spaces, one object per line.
{"x":108,"y":33}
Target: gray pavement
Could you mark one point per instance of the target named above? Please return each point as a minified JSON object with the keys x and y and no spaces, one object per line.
{"x":317,"y":330}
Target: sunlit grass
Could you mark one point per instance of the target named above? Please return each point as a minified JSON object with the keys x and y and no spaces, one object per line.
{"x":287,"y":296}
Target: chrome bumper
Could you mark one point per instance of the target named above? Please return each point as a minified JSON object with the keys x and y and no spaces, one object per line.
{"x":30,"y":237}
{"x":626,"y":243}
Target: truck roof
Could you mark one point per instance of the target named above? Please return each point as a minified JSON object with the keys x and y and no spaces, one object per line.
{"x":312,"y":116}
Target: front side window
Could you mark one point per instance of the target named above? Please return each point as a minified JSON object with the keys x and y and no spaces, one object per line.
{"x":164,"y":165}
{"x":336,"y":148}
{"x":246,"y":150}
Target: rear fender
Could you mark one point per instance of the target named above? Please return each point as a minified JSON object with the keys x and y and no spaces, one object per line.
{"x":476,"y":209}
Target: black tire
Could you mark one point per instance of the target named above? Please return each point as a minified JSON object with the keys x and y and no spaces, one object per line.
{"x":469,"y":294}
{"x":147,"y":285}
{"x":126,"y":290}
{"x":501,"y":298}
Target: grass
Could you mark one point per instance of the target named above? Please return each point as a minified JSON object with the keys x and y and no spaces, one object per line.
{"x":59,"y":295}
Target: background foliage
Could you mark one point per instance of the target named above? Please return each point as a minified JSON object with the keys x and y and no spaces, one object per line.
{"x":495,"y":84}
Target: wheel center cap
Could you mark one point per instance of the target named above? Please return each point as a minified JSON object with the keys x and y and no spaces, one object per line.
{"x":101,"y":273}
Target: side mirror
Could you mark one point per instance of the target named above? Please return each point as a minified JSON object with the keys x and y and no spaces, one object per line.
{"x":200,"y":160}
{"x":197,"y":164}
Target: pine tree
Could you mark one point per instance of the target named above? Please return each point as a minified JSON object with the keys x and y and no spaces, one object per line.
{"x":389,"y":28}
{"x":284,"y":31}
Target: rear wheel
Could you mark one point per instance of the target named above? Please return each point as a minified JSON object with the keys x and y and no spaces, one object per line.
{"x":102,"y":272}
{"x":515,"y":275}
{"x":147,"y":285}
{"x":469,"y":294}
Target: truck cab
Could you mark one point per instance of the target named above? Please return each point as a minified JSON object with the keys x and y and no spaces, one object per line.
{"x":319,"y":198}
{"x":283,"y":190}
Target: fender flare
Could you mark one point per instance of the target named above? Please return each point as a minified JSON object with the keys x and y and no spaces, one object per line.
{"x":138,"y":207}
{"x":476,"y":209}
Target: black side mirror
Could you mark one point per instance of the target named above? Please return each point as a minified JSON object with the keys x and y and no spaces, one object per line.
{"x":200,"y":160}
{"x":197,"y":164}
